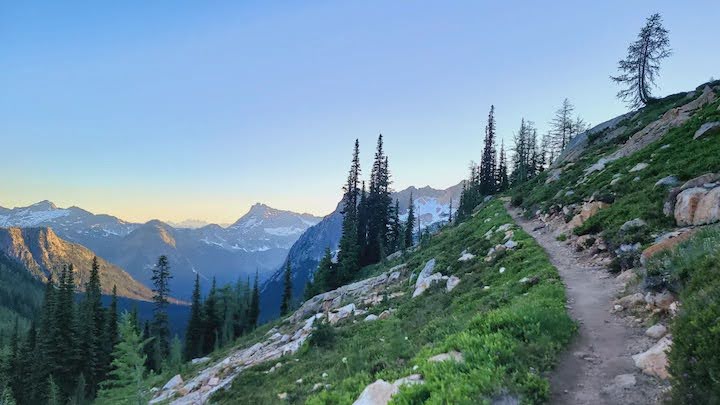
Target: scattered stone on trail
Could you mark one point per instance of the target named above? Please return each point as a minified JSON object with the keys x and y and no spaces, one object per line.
{"x":661,"y":300}
{"x":669,"y":181}
{"x":638,"y":167}
{"x":588,"y":210}
{"x":654,"y":361}
{"x":452,"y":355}
{"x":627,"y":278}
{"x":656,"y":331}
{"x":585,"y":241}
{"x":620,"y":382}
{"x":705,"y":128}
{"x":452,"y":282}
{"x":631,"y":300}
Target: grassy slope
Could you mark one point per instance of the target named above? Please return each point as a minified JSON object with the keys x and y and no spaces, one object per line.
{"x":509,"y":334}
{"x":685,"y":158}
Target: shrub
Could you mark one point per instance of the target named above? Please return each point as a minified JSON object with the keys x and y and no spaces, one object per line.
{"x":323,"y":335}
{"x":562,"y":237}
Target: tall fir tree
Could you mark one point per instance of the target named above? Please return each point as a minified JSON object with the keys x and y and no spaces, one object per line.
{"x":395,"y":237}
{"x":194,"y":332}
{"x":287,"y":290}
{"x":211,"y":323}
{"x":93,"y":325}
{"x":502,"y":173}
{"x":362,"y":225}
{"x":111,"y":328}
{"x":349,"y":255}
{"x":379,"y":205}
{"x":160,"y":330}
{"x":488,"y":162}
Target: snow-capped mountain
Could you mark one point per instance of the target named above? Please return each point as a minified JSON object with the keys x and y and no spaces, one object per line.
{"x":431,"y":205}
{"x":258,"y":241}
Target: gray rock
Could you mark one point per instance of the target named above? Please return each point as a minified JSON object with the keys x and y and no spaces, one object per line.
{"x":634,"y":223}
{"x":200,"y":360}
{"x":173,"y":383}
{"x":656,"y":331}
{"x":638,"y":167}
{"x":669,"y":181}
{"x":705,"y":128}
{"x":452,"y":282}
{"x":449,"y":356}
{"x":371,"y":317}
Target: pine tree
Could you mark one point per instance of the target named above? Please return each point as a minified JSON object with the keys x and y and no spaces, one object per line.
{"x":69,"y":355}
{"x":160,"y":326}
{"x":450,"y":213}
{"x":194,"y":333}
{"x":379,"y":206}
{"x":79,"y":396}
{"x":287,"y":291}
{"x":642,"y":64}
{"x":93,"y":325}
{"x":7,"y":398}
{"x":211,"y":322}
{"x":362,"y":225}
{"x":487,"y":164}
{"x":410,"y":223}
{"x":254,"y":310}
{"x":323,"y":277}
{"x":125,"y":384}
{"x":395,"y":229}
{"x":111,"y":329}
{"x":348,"y":258}
{"x":502,"y":175}
{"x":54,"y":394}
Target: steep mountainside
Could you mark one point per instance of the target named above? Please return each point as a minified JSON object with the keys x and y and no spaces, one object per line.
{"x":431,"y":205}
{"x":466,"y":329}
{"x":259,"y":240}
{"x":43,"y":253}
{"x":21,"y":296}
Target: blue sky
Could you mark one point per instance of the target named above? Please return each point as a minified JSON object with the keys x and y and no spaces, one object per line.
{"x":175,"y":110}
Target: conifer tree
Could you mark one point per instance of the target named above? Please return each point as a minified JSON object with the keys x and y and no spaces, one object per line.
{"x":348,"y":258}
{"x":211,"y":320}
{"x":194,"y":332}
{"x":160,"y":327}
{"x":7,"y":398}
{"x":642,"y":64}
{"x":363,"y":217}
{"x":410,"y":224}
{"x":395,"y":229}
{"x":502,"y":176}
{"x":54,"y":394}
{"x":254,"y":310}
{"x":487,"y":164}
{"x":111,"y":330}
{"x":125,"y":384}
{"x":450,"y":213}
{"x":379,"y":205}
{"x":323,"y":277}
{"x":93,"y":331}
{"x":287,"y":291}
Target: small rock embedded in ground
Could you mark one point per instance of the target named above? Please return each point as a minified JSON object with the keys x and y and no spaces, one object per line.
{"x":638,"y":167}
{"x":449,"y":356}
{"x":452,"y":282}
{"x":656,"y":331}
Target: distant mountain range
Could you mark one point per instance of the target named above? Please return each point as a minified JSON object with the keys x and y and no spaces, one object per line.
{"x":432,"y":206}
{"x":258,"y":241}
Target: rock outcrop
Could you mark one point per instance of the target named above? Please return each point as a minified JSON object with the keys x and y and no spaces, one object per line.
{"x":654,"y":361}
{"x":697,"y":202}
{"x":586,"y":212}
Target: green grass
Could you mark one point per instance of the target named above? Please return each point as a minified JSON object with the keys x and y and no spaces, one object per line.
{"x":684,"y":158}
{"x":510,"y":334}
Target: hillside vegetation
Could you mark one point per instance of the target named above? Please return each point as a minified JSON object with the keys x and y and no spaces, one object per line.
{"x":506,"y":317}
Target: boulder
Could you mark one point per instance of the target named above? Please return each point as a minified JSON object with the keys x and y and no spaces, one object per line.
{"x":638,"y":167}
{"x":452,"y":282}
{"x":584,"y":241}
{"x":705,"y":128}
{"x":660,"y":300}
{"x":377,"y":393}
{"x":654,"y":361}
{"x":200,"y":360}
{"x":687,"y":204}
{"x":174,"y":382}
{"x":395,"y":255}
{"x":341,"y":313}
{"x":631,"y":300}
{"x":669,"y":181}
{"x":426,"y":283}
{"x":371,"y":317}
{"x":425,"y":272}
{"x":510,"y":244}
{"x":452,"y":355}
{"x":666,"y":242}
{"x":700,"y":181}
{"x":634,"y":223}
{"x":656,"y":331}
{"x":412,"y":379}
{"x":707,"y":210}
{"x":588,"y":210}
{"x":385,"y":314}
{"x":465,"y":256}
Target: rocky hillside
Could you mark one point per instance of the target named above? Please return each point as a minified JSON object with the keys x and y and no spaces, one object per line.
{"x":431,"y":205}
{"x":478,"y":313}
{"x":44,"y":254}
{"x":641,"y":194}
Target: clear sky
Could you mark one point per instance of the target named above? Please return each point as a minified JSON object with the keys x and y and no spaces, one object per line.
{"x":175,"y":110}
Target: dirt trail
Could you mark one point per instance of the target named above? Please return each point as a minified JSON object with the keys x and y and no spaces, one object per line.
{"x":586,"y":372}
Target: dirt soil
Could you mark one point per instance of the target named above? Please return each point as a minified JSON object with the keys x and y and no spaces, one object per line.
{"x":586,"y":373}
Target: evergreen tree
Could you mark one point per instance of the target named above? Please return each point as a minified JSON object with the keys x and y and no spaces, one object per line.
{"x":287,"y":291}
{"x":93,"y":325}
{"x":67,"y":367}
{"x":211,"y":323}
{"x":410,"y":223}
{"x":642,"y":64}
{"x":502,"y":175}
{"x":7,"y":398}
{"x":450,"y":212}
{"x":487,"y":164}
{"x":395,"y":237}
{"x":160,"y":327}
{"x":362,"y":221}
{"x":111,"y":330}
{"x":379,"y":206}
{"x":54,"y":394}
{"x":194,"y":333}
{"x":323,"y":276}
{"x":125,"y":384}
{"x":79,"y":396}
{"x":348,"y":258}
{"x":254,"y":310}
